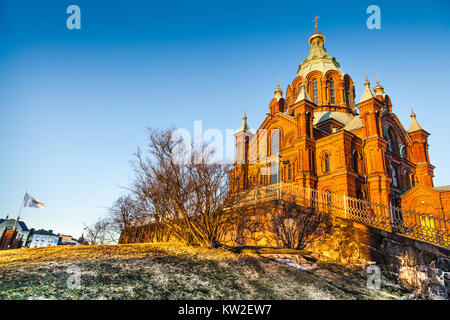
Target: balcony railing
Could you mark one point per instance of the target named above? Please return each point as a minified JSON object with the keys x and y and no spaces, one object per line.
{"x":409,"y":223}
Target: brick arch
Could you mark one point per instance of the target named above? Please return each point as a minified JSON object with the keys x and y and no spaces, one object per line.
{"x":289,"y":95}
{"x":273,"y":106}
{"x":322,"y":158}
{"x":309,"y":87}
{"x":426,"y":205}
{"x":388,"y":103}
{"x":351,"y":91}
{"x":270,"y":131}
{"x":326,"y":95}
{"x":287,"y":140}
{"x":294,"y":89}
{"x":390,"y":130}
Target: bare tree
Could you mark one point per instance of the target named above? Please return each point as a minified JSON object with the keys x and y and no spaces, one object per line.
{"x":125,"y":213}
{"x":189,"y":194}
{"x":97,"y":232}
{"x":296,"y":225}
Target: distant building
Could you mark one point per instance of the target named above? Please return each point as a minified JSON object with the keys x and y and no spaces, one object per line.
{"x":67,"y":240}
{"x":22,"y":230}
{"x":43,"y":238}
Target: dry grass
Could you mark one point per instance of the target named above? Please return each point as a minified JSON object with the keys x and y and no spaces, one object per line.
{"x":170,"y":271}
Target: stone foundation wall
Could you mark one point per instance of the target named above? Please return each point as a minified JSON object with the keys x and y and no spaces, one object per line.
{"x":416,"y":264}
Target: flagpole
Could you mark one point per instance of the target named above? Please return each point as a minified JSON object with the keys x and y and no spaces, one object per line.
{"x":18,"y":213}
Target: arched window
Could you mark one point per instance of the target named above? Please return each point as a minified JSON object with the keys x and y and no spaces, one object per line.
{"x":346,"y":92}
{"x":290,"y":172}
{"x":315,"y":92}
{"x":332,"y":95}
{"x":390,"y":140}
{"x":275,"y":142}
{"x":246,"y":149}
{"x":326,"y":163}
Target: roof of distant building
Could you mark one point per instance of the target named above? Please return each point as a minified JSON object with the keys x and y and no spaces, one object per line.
{"x":22,"y":224}
{"x":45,"y":232}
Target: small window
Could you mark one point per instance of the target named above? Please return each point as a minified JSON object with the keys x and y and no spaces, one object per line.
{"x":37,"y":238}
{"x":355,"y":162}
{"x":50,"y":239}
{"x":332,"y":96}
{"x":390,"y":141}
{"x":42,"y":239}
{"x":394,"y":175}
{"x":346,"y":92}
{"x":290,"y":172}
{"x":326,"y":163}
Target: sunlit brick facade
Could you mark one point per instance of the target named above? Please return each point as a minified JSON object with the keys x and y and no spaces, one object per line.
{"x":317,"y":136}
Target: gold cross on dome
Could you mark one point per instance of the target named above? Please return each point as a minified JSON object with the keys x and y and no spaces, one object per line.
{"x":315,"y":20}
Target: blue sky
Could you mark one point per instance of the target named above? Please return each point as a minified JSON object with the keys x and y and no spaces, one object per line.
{"x":75,"y":104}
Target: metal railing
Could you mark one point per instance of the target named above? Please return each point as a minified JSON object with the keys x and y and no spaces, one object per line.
{"x":409,"y":223}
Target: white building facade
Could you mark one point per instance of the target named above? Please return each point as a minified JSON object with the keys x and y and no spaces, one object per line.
{"x":43,"y":238}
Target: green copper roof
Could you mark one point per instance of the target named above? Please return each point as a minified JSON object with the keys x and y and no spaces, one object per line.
{"x":244,"y":126}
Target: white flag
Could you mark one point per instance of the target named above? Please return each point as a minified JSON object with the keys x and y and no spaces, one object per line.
{"x":29,"y":202}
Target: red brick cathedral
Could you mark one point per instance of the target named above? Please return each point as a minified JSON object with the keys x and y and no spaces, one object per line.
{"x":316,"y":136}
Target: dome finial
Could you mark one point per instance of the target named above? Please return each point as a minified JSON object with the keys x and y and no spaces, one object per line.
{"x":414,"y":126}
{"x":244,"y":126}
{"x":367,"y":94}
{"x":278,"y":92}
{"x":316,"y":25}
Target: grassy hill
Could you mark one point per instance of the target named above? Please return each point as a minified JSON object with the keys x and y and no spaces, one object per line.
{"x":167,"y":271}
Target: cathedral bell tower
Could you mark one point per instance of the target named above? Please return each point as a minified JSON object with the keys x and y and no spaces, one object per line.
{"x":374,"y":147}
{"x":243,"y":137}
{"x":303,"y":110}
{"x":424,"y":170}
